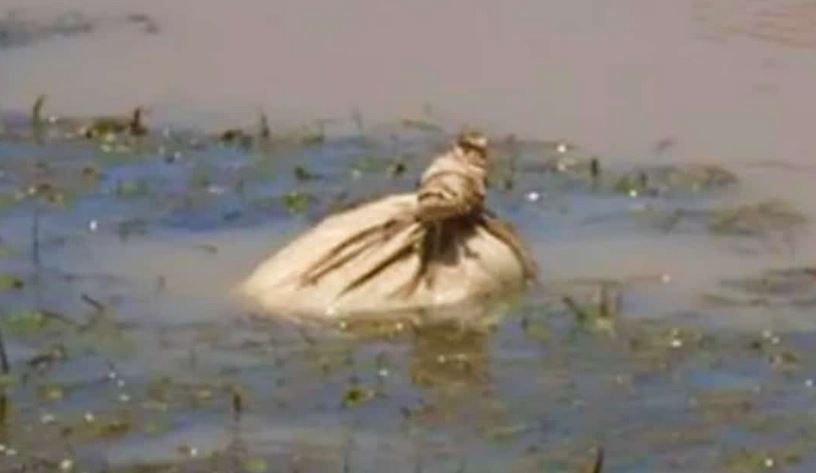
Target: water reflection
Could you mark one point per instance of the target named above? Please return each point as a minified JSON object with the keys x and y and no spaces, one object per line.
{"x":448,"y":347}
{"x":450,"y":355}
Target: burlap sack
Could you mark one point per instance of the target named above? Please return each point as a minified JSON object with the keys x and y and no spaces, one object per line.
{"x":433,"y":248}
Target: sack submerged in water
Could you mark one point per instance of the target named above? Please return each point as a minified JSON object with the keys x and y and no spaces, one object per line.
{"x":437,"y":247}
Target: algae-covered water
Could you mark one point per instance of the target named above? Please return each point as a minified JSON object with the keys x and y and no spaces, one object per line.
{"x":664,"y":186}
{"x":671,"y":327}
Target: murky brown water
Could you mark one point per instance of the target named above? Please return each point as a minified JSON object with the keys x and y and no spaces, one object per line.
{"x":697,"y":370}
{"x":725,"y":80}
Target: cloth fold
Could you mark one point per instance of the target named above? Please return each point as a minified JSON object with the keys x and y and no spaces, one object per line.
{"x":436,"y":247}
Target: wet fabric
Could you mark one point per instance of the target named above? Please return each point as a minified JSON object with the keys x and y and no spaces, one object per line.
{"x":433,"y":248}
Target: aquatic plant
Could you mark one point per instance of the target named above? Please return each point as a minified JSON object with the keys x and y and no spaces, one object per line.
{"x":100,"y":372}
{"x":672,"y":179}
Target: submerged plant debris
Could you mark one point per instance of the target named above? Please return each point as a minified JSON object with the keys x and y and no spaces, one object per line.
{"x":25,"y":26}
{"x":19,"y":28}
{"x":662,"y":180}
{"x":610,"y":364}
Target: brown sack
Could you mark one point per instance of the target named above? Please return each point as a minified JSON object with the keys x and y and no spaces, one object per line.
{"x":437,"y":247}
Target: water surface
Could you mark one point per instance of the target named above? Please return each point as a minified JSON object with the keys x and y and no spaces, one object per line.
{"x":673,"y":324}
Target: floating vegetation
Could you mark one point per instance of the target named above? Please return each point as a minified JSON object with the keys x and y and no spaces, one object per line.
{"x":393,"y":167}
{"x":664,"y":180}
{"x":90,"y":171}
{"x":423,"y":125}
{"x":10,"y":282}
{"x":235,"y":136}
{"x":104,"y":372}
{"x":779,"y":282}
{"x":556,"y":157}
{"x":27,"y":322}
{"x":356,"y":395}
{"x":24,"y":27}
{"x":100,"y":426}
{"x":310,"y":137}
{"x":256,"y":465}
{"x":566,"y":161}
{"x":594,"y":303}
{"x":51,"y":392}
{"x":788,"y":286}
{"x":397,"y":168}
{"x":753,"y":461}
{"x":147,"y":23}
{"x":134,"y":188}
{"x":112,"y":134}
{"x":749,"y":220}
{"x":297,"y":202}
{"x":303,"y":174}
{"x":48,"y":193}
{"x":18,"y":29}
{"x":107,"y":128}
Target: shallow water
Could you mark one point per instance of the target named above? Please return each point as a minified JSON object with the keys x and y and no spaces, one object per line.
{"x":656,"y":342}
{"x":657,"y":331}
{"x":725,"y":80}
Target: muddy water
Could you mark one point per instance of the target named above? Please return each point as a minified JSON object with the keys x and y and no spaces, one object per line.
{"x":673,"y":324}
{"x":725,"y":80}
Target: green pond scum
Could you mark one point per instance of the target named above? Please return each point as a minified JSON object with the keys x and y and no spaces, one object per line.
{"x":670,"y":331}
